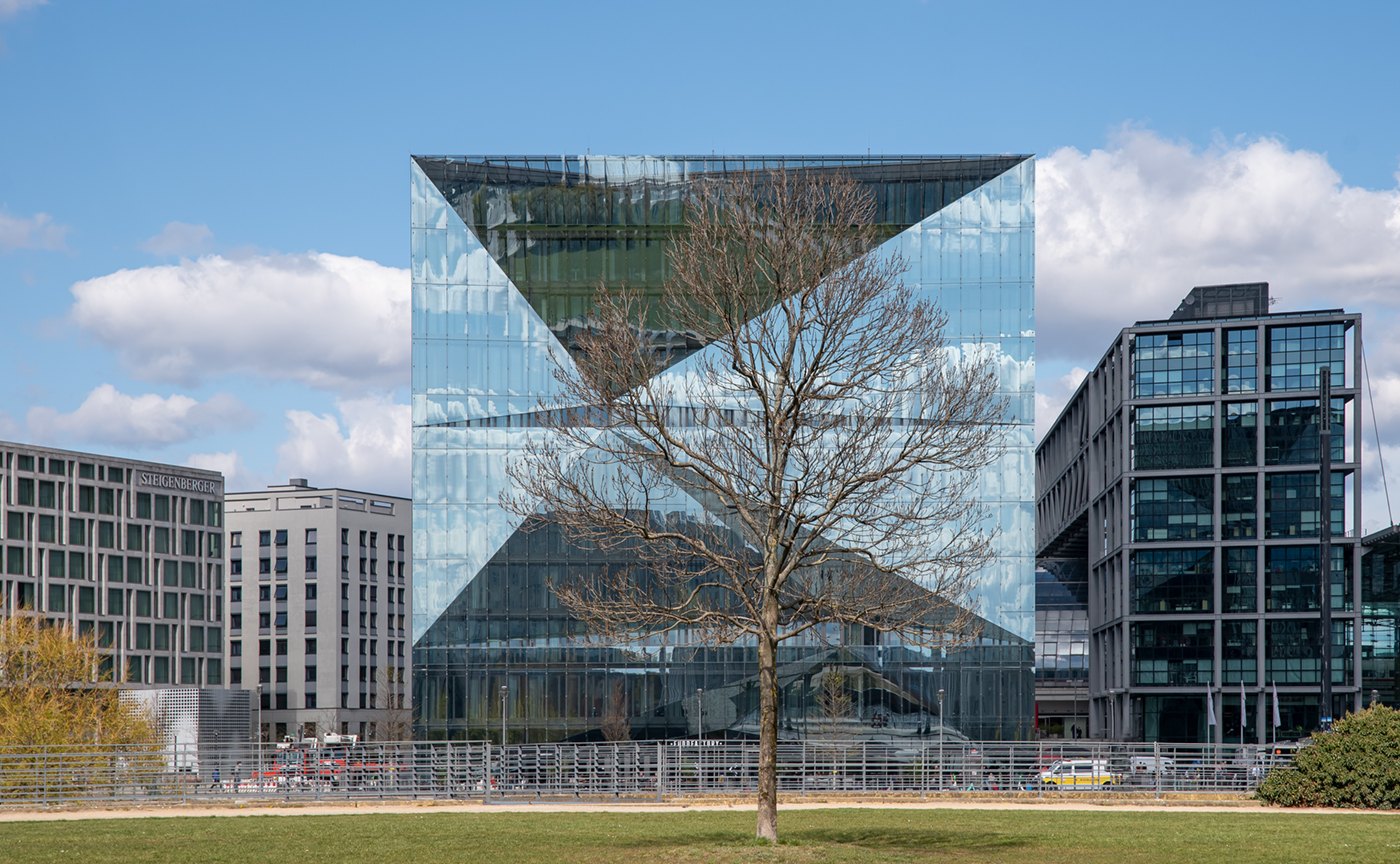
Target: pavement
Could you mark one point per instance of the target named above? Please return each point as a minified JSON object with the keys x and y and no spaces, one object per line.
{"x":257,"y":808}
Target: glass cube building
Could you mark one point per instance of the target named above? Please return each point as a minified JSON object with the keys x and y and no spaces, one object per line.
{"x":507,"y":252}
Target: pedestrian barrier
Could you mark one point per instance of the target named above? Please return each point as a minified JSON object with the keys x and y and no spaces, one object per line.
{"x":658,"y":770}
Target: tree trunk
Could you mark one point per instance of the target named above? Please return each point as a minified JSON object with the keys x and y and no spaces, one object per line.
{"x":768,"y":724}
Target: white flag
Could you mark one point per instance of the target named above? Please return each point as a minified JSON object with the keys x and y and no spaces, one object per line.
{"x":1210,"y":709}
{"x":1242,"y":712}
{"x":1277,"y":721}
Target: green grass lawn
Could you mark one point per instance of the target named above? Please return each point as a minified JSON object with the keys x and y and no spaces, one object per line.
{"x":1110,"y":836}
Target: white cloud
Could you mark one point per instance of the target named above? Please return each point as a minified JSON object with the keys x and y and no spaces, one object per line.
{"x":35,"y":232}
{"x":10,"y":8}
{"x":1125,"y":232}
{"x":177,"y":238}
{"x":9,"y":428}
{"x":237,"y":476}
{"x":373,"y":454}
{"x":326,"y":321}
{"x":1051,"y":397}
{"x":108,"y":416}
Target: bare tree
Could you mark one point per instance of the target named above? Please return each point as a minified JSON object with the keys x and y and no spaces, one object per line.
{"x":616,"y":724}
{"x":393,"y":715}
{"x":835,"y":703}
{"x":813,"y":469}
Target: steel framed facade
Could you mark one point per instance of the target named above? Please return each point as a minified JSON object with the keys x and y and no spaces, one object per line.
{"x":1185,"y":473}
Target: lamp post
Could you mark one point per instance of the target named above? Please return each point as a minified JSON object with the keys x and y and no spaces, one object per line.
{"x":699,"y":712}
{"x":505,"y":694}
{"x":258,"y":736}
{"x":940,"y":737}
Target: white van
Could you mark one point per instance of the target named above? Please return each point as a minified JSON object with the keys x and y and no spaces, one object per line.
{"x":1077,"y":773}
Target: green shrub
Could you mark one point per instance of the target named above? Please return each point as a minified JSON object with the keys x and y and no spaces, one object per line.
{"x":1357,"y":764}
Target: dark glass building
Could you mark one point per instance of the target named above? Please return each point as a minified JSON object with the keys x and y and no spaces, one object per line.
{"x":1186,"y":476}
{"x":506,"y":254}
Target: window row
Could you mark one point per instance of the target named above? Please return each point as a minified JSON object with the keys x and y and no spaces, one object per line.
{"x":113,"y":502}
{"x":1183,"y":580}
{"x":1183,"y":508}
{"x":1182,"y":364}
{"x":1182,"y":654}
{"x":1170,"y":437}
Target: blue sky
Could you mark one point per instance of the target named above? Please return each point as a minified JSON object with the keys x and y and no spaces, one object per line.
{"x":204,"y":207}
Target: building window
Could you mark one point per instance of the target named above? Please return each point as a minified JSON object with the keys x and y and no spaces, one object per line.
{"x":310,"y":700}
{"x":160,"y":670}
{"x":196,"y":640}
{"x":281,"y":539}
{"x":235,"y":567}
{"x":1173,"y":508}
{"x":1297,"y":353}
{"x":235,"y":648}
{"x":1173,"y":364}
{"x":1239,"y":506}
{"x":1293,"y":504}
{"x":48,"y":528}
{"x":1238,"y":652}
{"x":281,"y":703}
{"x":214,"y":671}
{"x":1291,"y":578}
{"x":310,"y":673}
{"x":1172,"y":580}
{"x":47,"y":494}
{"x":310,"y":563}
{"x":281,"y":621}
{"x":1173,"y":654}
{"x":106,"y":502}
{"x":1238,"y":435}
{"x":311,"y":618}
{"x":264,"y":620}
{"x":187,"y":543}
{"x":310,"y":590}
{"x":1293,"y":651}
{"x":143,"y":505}
{"x":162,"y":508}
{"x":310,"y":536}
{"x":281,"y":565}
{"x":133,"y":538}
{"x":1294,"y":432}
{"x":235,"y":539}
{"x":310,"y":647}
{"x":264,"y":565}
{"x":264,"y":538}
{"x":281,"y":675}
{"x":196,"y":511}
{"x":280,"y":593}
{"x":162,"y":637}
{"x":1238,"y":589}
{"x":58,"y":594}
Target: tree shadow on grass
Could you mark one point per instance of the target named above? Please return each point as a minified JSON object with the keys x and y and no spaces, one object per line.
{"x":901,"y":839}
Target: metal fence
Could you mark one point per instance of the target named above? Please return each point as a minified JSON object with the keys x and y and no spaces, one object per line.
{"x":655,"y":770}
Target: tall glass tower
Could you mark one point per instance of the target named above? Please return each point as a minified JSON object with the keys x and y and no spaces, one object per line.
{"x":507,"y":252}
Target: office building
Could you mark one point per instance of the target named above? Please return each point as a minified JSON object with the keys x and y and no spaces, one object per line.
{"x":506,"y":253}
{"x":319,"y":595}
{"x":130,"y":550}
{"x":1186,"y":478}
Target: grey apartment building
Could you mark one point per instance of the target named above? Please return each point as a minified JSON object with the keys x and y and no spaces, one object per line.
{"x":320,"y":585}
{"x":130,"y":550}
{"x":1184,"y":480}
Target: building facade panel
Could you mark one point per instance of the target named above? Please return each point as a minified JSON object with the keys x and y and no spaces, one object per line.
{"x":319,"y":591}
{"x":130,"y":550}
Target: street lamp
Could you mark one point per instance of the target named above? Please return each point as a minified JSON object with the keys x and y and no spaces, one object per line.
{"x":258,"y":693}
{"x":505,"y":694}
{"x":940,"y":737}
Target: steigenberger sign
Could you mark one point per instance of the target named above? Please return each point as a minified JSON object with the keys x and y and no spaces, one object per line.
{"x":184,"y":484}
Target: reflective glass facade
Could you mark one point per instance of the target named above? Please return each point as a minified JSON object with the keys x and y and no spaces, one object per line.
{"x":506,"y":254}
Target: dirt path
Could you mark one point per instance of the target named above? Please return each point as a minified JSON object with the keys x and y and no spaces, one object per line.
{"x":341,"y":809}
